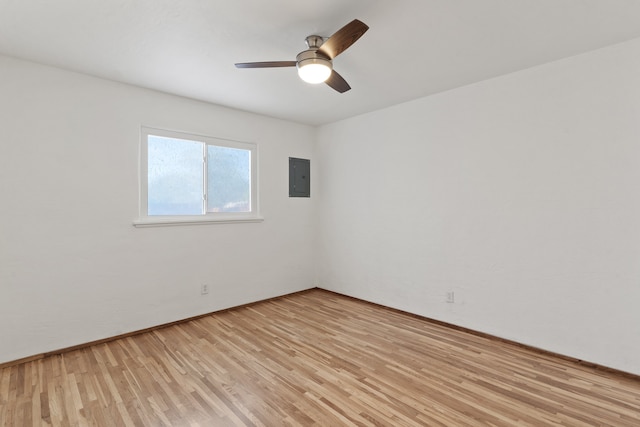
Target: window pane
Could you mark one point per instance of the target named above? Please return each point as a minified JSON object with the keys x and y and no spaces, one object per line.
{"x":228,"y":179}
{"x":175,"y":176}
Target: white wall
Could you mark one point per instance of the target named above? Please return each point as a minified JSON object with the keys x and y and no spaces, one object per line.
{"x":521,"y":194}
{"x":72,"y":267}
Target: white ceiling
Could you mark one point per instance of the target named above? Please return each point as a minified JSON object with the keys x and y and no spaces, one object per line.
{"x":413,"y":48}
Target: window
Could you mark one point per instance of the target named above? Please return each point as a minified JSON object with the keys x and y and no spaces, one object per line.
{"x":193,"y":179}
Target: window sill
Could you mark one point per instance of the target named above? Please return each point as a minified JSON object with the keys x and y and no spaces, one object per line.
{"x":176,"y":221}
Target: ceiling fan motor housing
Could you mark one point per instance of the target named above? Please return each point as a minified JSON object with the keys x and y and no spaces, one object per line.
{"x":312,"y":56}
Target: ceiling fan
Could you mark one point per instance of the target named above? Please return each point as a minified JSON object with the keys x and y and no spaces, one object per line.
{"x":315,"y":64}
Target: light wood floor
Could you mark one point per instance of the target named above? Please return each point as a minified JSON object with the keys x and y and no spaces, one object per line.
{"x":313,"y":358}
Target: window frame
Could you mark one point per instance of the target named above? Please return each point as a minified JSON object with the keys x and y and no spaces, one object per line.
{"x":146,"y":220}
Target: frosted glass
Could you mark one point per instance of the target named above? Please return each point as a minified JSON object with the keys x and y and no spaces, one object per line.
{"x":175,"y":176}
{"x":228,"y":179}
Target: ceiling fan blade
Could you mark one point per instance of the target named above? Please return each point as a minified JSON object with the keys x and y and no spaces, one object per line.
{"x":268,"y":64}
{"x":343,"y":38}
{"x":336,"y":82}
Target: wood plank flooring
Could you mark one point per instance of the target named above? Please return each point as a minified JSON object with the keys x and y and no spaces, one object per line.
{"x":312,"y":359}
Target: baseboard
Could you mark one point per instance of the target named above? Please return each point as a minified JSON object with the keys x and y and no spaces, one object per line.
{"x":138,"y":332}
{"x":540,"y":351}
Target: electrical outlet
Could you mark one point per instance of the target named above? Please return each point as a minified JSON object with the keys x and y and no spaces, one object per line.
{"x":450,"y":297}
{"x":204,"y":289}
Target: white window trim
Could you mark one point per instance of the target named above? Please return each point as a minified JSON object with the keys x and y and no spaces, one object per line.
{"x":145,"y":220}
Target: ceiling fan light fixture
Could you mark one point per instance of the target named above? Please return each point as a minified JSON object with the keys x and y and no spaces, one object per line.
{"x":314,"y":73}
{"x":313,"y":68}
